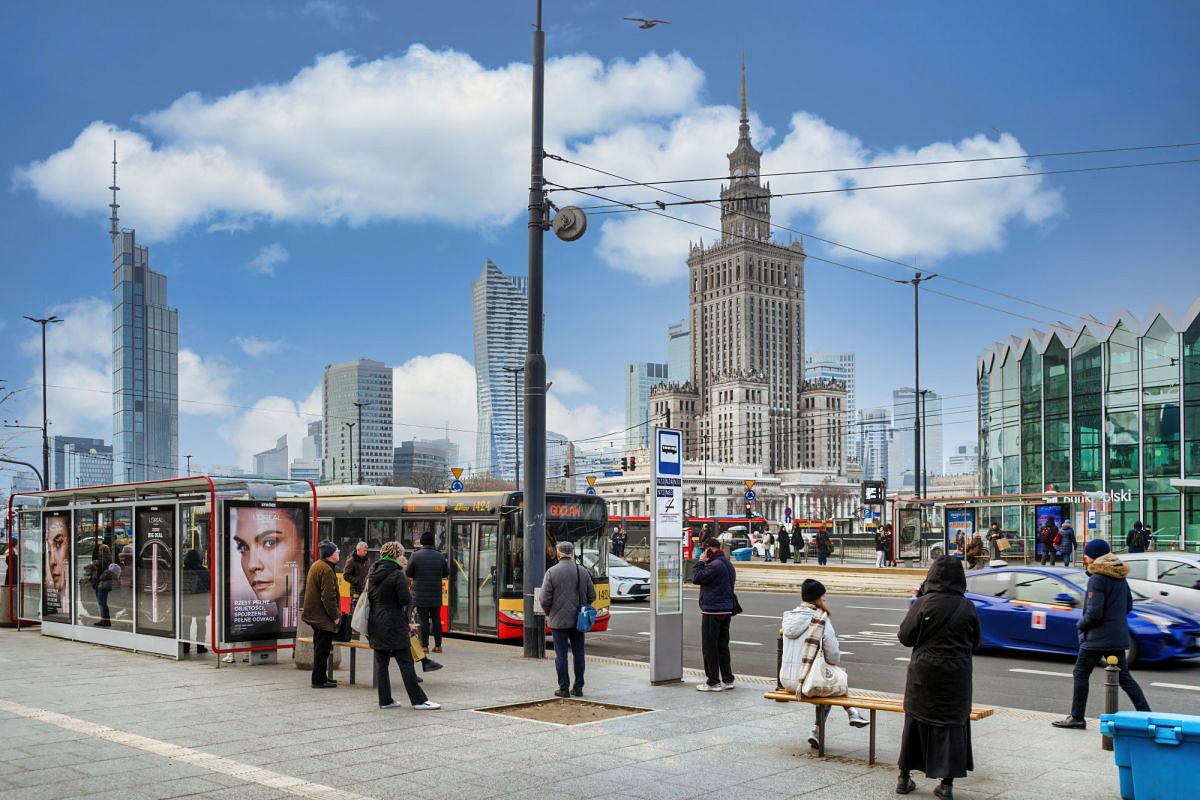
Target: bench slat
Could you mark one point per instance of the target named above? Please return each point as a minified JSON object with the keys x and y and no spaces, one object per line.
{"x":357,"y":644}
{"x":863,"y":702}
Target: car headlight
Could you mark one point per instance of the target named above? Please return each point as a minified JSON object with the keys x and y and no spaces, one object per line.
{"x":1162,"y":623}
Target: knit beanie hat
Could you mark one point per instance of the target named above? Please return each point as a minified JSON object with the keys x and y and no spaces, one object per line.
{"x":811,"y":591}
{"x":326,"y":548}
{"x":1096,"y":548}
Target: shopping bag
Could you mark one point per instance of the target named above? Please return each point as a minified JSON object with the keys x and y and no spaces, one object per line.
{"x":1002,"y":544}
{"x":824,"y":679}
{"x":586,"y":618}
{"x":362,"y":612}
{"x":418,"y":652}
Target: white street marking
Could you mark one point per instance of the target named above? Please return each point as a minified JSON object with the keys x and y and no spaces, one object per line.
{"x":1043,"y":672}
{"x":884,"y":625}
{"x":1177,"y":686}
{"x":759,"y":616}
{"x":878,"y":608}
{"x":903,"y":658}
{"x":629,"y":611}
{"x":747,"y":644}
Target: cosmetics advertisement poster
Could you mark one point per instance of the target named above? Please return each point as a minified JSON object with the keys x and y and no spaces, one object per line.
{"x":265,"y":568}
{"x":154,"y":539}
{"x":56,"y":591}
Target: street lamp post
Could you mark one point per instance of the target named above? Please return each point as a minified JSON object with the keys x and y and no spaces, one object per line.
{"x":924,"y":453}
{"x":515,"y":371}
{"x":350,"y":472}
{"x":358,"y":405}
{"x":916,"y":282}
{"x":189,"y":464}
{"x":50,"y":320}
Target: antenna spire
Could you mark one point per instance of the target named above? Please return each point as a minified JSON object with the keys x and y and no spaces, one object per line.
{"x":114,"y":230}
{"x":745,"y":115}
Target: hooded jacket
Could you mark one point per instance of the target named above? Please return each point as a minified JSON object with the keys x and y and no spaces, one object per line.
{"x":716,"y":578}
{"x":1105,"y":621}
{"x":387,"y":624}
{"x":795,"y":626}
{"x":942,"y":628}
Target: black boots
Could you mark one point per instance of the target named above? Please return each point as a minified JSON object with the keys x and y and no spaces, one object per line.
{"x":905,"y":784}
{"x":944,"y":790}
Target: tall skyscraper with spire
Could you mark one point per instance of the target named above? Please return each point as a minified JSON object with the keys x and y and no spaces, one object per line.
{"x":746,"y":309}
{"x":145,"y":362}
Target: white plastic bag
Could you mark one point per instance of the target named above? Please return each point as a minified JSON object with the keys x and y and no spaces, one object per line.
{"x":362,"y":611}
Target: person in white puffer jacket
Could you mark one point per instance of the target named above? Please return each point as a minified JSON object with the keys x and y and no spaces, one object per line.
{"x":795,"y":626}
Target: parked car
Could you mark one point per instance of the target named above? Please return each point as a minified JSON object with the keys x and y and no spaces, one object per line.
{"x":1170,"y":576}
{"x":1037,"y":609}
{"x":625,"y":581}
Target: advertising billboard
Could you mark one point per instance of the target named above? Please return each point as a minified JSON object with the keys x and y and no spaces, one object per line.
{"x":267,"y":550}
{"x":960,"y":525}
{"x":154,"y":542}
{"x":56,"y":591}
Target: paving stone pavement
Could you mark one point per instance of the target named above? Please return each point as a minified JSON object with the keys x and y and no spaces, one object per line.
{"x":82,"y":721}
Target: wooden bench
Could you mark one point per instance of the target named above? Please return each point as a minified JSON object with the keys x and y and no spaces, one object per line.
{"x":863,"y":703}
{"x":354,"y":646}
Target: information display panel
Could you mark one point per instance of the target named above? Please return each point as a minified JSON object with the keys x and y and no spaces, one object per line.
{"x":267,"y":547}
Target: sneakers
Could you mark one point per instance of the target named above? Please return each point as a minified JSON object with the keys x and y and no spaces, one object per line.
{"x":858,"y":720}
{"x":427,"y":706}
{"x":813,"y":741}
{"x":429,"y":665}
{"x":728,"y":686}
{"x":708,"y":687}
{"x":392,"y":704}
{"x":1070,"y":722}
{"x":562,"y":693}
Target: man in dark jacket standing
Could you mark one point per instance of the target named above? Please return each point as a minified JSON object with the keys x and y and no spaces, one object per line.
{"x":322,"y":610}
{"x":1103,"y":629}
{"x":797,"y":541}
{"x":358,"y":566}
{"x":566,"y":587}
{"x":427,"y":568}
{"x":824,"y":546}
{"x":716,"y":578}
{"x":1138,"y":538}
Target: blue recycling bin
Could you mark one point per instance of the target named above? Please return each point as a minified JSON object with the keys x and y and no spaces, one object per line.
{"x":1157,"y":753}
{"x":743,"y":553}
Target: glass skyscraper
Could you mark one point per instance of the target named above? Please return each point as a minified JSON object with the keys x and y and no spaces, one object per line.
{"x":639,"y":379}
{"x":145,"y":367}
{"x":1109,"y":408}
{"x":500,"y":307}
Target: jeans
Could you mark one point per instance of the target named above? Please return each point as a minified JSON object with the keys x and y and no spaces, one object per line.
{"x":1085,"y":663}
{"x":322,"y":648}
{"x":822,"y":558}
{"x":1066,"y":557}
{"x":383,"y":680}
{"x":714,"y":640}
{"x":102,"y":599}
{"x":430,"y":617}
{"x":564,"y":639}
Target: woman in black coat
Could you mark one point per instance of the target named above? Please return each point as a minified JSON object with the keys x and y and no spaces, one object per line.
{"x":785,"y":545}
{"x":387,"y":628}
{"x":942,"y":628}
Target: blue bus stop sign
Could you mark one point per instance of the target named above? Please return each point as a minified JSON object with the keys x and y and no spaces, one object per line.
{"x":1091,"y":519}
{"x":456,"y":486}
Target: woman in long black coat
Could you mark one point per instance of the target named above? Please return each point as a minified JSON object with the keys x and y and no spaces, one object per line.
{"x":387,"y":628}
{"x":942,"y":628}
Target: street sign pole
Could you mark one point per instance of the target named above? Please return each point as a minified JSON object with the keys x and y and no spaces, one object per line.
{"x":666,"y":559}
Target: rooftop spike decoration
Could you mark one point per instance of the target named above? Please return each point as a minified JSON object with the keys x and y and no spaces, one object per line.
{"x":114,"y":230}
{"x":745,"y":113}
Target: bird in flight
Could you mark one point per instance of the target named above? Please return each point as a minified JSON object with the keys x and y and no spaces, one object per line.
{"x":647,"y":24}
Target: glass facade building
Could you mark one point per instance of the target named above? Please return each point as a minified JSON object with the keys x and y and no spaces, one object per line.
{"x":1105,"y":407}
{"x":357,"y":445}
{"x":639,"y":379}
{"x":500,"y":307}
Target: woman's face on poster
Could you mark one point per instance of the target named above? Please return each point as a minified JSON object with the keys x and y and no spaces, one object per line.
{"x":57,"y":552}
{"x":269,"y":544}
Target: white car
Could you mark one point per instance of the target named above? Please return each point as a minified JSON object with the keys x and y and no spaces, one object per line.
{"x":1166,"y":576}
{"x":625,"y":581}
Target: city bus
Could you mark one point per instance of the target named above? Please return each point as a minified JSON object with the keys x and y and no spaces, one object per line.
{"x":482,"y":535}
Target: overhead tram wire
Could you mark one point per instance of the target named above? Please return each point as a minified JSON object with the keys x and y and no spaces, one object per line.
{"x":873,"y":167}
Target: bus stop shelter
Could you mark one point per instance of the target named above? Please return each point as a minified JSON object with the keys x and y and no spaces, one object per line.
{"x":153,"y":566}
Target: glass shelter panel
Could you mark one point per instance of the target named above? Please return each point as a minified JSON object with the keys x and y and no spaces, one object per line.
{"x":1085,"y":404}
{"x":1057,"y":420}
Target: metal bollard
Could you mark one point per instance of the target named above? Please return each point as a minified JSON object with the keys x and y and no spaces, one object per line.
{"x":779,"y":661}
{"x":1112,"y":674}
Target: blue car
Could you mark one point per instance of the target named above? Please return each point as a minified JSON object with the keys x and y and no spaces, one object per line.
{"x":1037,"y":608}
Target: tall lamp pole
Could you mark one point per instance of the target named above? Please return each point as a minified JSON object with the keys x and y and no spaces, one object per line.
{"x":916,"y":282}
{"x":515,"y":371}
{"x":189,"y":463}
{"x":350,"y":472}
{"x":358,"y":405}
{"x":50,"y":320}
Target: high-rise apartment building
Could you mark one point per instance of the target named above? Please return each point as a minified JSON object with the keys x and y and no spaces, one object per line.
{"x":500,"y":307}
{"x":79,"y":461}
{"x":904,"y":417}
{"x":837,"y":367}
{"x":874,"y":439}
{"x":357,"y":422}
{"x":273,"y":463}
{"x":679,"y":349}
{"x":145,"y":362}
{"x":420,"y":457}
{"x":639,"y":379}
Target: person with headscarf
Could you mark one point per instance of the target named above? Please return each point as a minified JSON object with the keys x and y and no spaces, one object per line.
{"x":388,"y":629}
{"x":942,"y":628}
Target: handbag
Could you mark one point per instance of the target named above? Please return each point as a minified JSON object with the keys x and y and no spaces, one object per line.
{"x":362,"y":611}
{"x":414,"y":646}
{"x":1002,"y":544}
{"x":824,"y":679}
{"x":737,"y":607}
{"x":586,"y":617}
{"x":344,"y":634}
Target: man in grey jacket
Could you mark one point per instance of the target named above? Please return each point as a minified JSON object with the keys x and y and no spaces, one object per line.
{"x":567,"y":587}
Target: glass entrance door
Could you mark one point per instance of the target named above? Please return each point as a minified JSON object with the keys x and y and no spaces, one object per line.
{"x":473,"y":573}
{"x":486,"y":590}
{"x":460,"y":577}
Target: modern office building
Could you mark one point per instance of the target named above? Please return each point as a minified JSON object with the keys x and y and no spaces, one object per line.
{"x":310,"y":445}
{"x":79,"y":461}
{"x":837,"y":367}
{"x":874,"y":440}
{"x":900,"y":459}
{"x":273,"y":463}
{"x":305,"y":469}
{"x":357,"y":422}
{"x":964,"y":460}
{"x":145,"y":362}
{"x":639,"y":379}
{"x":1101,"y":407}
{"x":679,"y":349}
{"x":500,"y":307}
{"x":424,"y":457}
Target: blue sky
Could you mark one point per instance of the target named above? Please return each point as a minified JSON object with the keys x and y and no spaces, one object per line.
{"x":321,"y":181}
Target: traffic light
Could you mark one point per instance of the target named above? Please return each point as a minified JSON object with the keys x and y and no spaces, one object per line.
{"x":749,"y":509}
{"x":566,"y":470}
{"x":624,"y":464}
{"x":632,"y":463}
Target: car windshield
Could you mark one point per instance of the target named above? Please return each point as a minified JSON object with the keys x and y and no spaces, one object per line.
{"x":1080,"y":578}
{"x":616,"y":561}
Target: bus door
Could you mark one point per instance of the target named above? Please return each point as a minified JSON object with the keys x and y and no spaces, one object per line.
{"x":473,"y":591}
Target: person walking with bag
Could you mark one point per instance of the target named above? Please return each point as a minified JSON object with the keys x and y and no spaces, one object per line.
{"x":942,"y":628}
{"x":716,"y":578}
{"x":322,"y":610}
{"x":808,"y":624}
{"x":389,"y":601}
{"x":428,"y":568}
{"x":566,"y":589}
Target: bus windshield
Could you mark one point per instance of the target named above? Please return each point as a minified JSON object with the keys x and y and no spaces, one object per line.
{"x":588,"y":535}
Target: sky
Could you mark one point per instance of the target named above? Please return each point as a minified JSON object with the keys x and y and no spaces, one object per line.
{"x":321,"y":181}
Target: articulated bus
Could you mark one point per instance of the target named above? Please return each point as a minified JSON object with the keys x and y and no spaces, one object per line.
{"x":482,"y":534}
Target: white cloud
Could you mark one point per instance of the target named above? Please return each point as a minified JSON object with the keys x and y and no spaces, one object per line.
{"x":265,"y":262}
{"x":430,"y":393}
{"x":257,"y":428}
{"x":257,"y":348}
{"x":567,"y":382}
{"x":204,"y":385}
{"x":582,"y":421}
{"x":337,"y":15}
